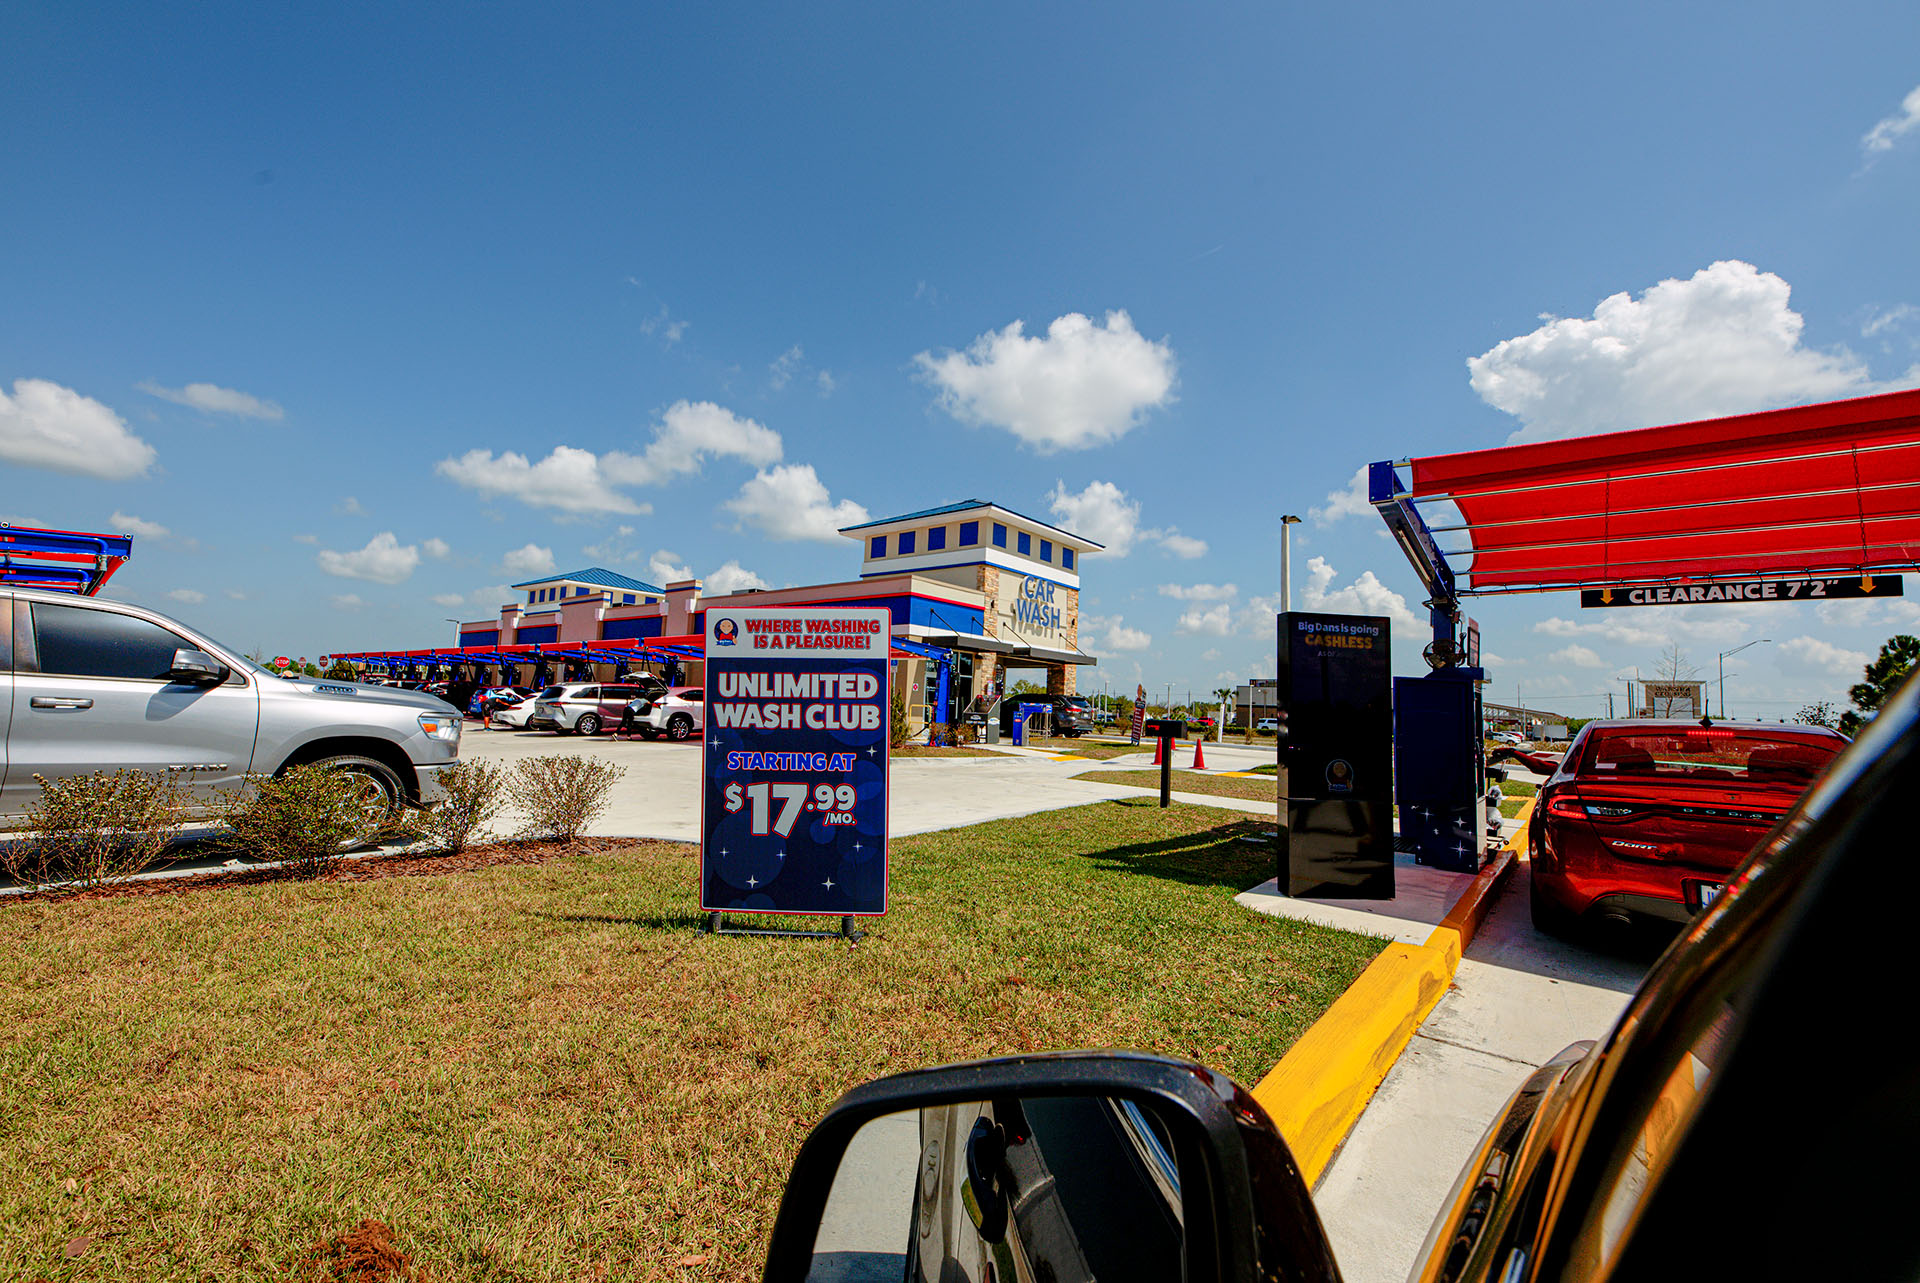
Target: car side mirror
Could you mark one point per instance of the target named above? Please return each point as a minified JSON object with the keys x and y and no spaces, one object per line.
{"x":1068,"y":1166}
{"x":197,"y":668}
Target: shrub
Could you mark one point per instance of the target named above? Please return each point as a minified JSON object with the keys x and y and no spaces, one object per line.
{"x":898,"y":735}
{"x":474,"y":794}
{"x":88,"y":829}
{"x":561,"y":795}
{"x":306,"y":817}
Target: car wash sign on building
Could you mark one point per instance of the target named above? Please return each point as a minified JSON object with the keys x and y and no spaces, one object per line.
{"x":794,"y":805}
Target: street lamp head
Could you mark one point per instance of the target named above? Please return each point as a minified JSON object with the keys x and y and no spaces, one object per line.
{"x":1289,"y":520}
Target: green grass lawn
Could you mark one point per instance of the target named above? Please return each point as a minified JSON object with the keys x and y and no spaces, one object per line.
{"x":545,"y":1071}
{"x":1087,"y":748}
{"x":1255,"y":790}
{"x":1518,"y":788}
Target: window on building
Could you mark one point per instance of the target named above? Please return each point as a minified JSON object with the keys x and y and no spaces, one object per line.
{"x":905,"y":540}
{"x":627,"y":599}
{"x":1046,"y":550}
{"x":1066,"y":558}
{"x":1026,"y":544}
{"x":969,"y":533}
{"x":999,"y":535}
{"x":878,"y":546}
{"x":936,"y":538}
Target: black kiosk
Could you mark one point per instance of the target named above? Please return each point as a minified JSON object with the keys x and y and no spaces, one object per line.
{"x":1336,"y":756}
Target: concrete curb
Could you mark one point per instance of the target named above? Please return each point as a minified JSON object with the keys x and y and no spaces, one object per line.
{"x":1321,"y":1086}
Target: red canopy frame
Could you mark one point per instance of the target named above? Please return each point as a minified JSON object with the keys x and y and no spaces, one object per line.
{"x":1818,"y":489}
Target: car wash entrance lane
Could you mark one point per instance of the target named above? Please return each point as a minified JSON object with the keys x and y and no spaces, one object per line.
{"x":1518,"y":998}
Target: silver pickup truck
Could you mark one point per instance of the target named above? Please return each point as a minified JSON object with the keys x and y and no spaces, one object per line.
{"x":93,"y":685}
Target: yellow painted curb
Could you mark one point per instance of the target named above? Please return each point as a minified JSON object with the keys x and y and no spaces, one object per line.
{"x":1320,"y":1087}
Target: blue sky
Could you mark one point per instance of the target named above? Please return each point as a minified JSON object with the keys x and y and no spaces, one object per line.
{"x":354,"y":318}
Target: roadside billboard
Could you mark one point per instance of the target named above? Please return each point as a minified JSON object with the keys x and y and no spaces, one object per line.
{"x":794,"y":801}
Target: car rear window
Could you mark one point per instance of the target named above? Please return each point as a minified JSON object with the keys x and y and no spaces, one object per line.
{"x":1709,"y":754}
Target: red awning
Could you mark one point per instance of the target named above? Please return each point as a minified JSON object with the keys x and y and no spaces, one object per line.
{"x":1831,"y":488}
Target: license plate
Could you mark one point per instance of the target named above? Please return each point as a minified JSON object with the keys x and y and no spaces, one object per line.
{"x":1709,"y":892}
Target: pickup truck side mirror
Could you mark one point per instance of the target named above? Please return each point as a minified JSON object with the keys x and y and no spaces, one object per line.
{"x":197,"y":668}
{"x":1068,"y":1166}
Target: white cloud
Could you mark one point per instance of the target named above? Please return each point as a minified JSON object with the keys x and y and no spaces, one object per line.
{"x":44,"y":425}
{"x":1575,"y":654}
{"x":1350,"y":501}
{"x":661,"y":323}
{"x":576,"y":480}
{"x":215,"y":399}
{"x":385,"y":560}
{"x":449,"y":599}
{"x":785,"y":366}
{"x":569,"y":479}
{"x":346,"y":601}
{"x":1213,"y":621}
{"x":1185,"y":547}
{"x":1890,"y":129}
{"x":350,"y":507}
{"x":1364,"y":596}
{"x":789,"y":502}
{"x":128,"y":524}
{"x":731,"y":578}
{"x":528,"y":559}
{"x":307,"y":539}
{"x":824,"y":381}
{"x":664,"y":568}
{"x":1106,"y":635}
{"x":689,"y":432}
{"x":1101,"y":512}
{"x":187,"y":595}
{"x":236,"y":595}
{"x":435,"y":548}
{"x":1882,"y":319}
{"x":1084,"y":384}
{"x":1199,"y":592}
{"x":1824,"y":654}
{"x":1723,"y":342}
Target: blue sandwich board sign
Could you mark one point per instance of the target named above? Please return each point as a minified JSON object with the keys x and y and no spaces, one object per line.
{"x":794,"y":804}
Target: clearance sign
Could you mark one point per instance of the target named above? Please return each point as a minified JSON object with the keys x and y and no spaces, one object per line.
{"x":794,"y":804}
{"x":1827,"y":588}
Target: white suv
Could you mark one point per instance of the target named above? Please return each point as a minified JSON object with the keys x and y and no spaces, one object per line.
{"x":677,"y":714}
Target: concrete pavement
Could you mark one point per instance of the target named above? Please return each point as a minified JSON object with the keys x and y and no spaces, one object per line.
{"x":659,"y":797}
{"x":1519,"y":997}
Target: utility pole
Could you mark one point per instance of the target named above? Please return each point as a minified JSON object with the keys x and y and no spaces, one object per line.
{"x":1723,"y":671}
{"x":1286,"y":562}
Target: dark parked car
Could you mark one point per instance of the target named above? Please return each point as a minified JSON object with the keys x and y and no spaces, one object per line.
{"x":1065,"y":717}
{"x":1647,"y":818}
{"x":1744,"y":1119}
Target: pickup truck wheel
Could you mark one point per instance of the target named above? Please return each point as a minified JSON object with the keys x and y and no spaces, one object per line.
{"x":589,"y":724}
{"x":679,"y":727}
{"x":377,"y":793}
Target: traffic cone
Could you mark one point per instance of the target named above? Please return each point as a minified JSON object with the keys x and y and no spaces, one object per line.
{"x":1158,"y":743}
{"x":1199,"y":758}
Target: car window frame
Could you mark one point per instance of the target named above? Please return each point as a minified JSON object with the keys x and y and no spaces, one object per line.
{"x":33,"y":624}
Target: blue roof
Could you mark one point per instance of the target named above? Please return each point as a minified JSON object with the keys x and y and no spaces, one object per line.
{"x":595,"y":575}
{"x":967,"y":505}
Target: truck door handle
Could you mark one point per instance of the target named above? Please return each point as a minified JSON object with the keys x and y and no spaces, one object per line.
{"x":61,"y":701}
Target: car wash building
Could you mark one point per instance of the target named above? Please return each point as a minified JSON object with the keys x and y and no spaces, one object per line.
{"x":976,"y":591}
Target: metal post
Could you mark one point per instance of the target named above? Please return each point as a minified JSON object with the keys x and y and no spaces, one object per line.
{"x":1166,"y":769}
{"x":1286,"y":562}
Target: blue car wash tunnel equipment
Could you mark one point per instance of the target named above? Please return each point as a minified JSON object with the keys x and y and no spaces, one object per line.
{"x":1714,"y":510}
{"x":72,"y":561}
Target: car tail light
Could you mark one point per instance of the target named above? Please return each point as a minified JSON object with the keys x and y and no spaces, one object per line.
{"x":1565,"y":806}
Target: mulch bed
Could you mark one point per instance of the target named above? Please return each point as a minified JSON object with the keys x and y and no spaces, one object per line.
{"x":400,"y":864}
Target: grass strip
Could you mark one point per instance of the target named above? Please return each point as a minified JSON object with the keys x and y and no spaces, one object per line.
{"x":544,"y":1072}
{"x":1255,"y":790}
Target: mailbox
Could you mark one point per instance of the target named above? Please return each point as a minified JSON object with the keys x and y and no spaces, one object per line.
{"x":1166,"y":728}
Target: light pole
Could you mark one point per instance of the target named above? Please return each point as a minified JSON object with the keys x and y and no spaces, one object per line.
{"x":1723,"y":671}
{"x":456,"y":630}
{"x":1286,"y":562}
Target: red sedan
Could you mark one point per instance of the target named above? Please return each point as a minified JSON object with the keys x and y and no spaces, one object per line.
{"x":1647,"y":818}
